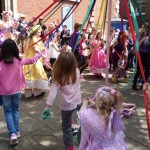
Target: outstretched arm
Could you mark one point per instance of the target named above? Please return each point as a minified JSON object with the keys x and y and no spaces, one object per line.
{"x":146,"y":87}
{"x":28,"y":61}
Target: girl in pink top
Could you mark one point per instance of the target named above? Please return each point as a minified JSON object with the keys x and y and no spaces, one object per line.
{"x":101,"y":125}
{"x":11,"y":83}
{"x":66,"y":79}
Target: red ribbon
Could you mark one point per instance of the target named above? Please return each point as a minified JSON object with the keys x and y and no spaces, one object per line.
{"x":139,"y":62}
{"x":39,"y":15}
{"x":121,"y":16}
{"x":55,"y":27}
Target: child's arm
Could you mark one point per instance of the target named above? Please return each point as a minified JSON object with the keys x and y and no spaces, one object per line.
{"x":85,"y":103}
{"x":146,"y":87}
{"x":52,"y":94}
{"x":28,"y":61}
{"x":56,"y":47}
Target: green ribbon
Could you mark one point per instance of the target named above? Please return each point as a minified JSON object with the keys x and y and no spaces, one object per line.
{"x":46,"y":115}
{"x":137,"y":42}
{"x":84,"y":21}
{"x":140,"y":14}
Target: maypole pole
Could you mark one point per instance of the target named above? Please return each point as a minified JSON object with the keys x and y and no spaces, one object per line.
{"x":108,"y":39}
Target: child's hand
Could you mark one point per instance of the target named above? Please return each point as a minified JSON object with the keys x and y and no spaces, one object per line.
{"x":146,"y":87}
{"x":85,"y":102}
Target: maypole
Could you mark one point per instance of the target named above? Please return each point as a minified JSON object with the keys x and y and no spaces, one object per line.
{"x":108,"y":39}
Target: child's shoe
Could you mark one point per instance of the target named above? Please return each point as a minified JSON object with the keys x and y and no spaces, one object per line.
{"x":126,"y":80}
{"x":13,"y":140}
{"x":18,"y":134}
{"x":74,"y":131}
{"x":114,"y":79}
{"x":70,"y":148}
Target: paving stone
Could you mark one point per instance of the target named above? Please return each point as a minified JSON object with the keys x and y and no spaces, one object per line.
{"x":38,"y":134}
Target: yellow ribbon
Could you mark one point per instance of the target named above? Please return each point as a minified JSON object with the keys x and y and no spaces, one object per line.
{"x":100,"y":13}
{"x":102,"y":27}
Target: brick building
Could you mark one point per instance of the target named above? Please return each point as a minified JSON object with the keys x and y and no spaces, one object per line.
{"x":144,"y":6}
{"x":145,"y":10}
{"x":32,"y":8}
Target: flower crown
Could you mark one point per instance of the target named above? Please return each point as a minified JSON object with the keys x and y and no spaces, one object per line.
{"x":104,"y":91}
{"x":115,"y":123}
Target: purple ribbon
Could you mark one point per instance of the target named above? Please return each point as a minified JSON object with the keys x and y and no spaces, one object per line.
{"x":115,"y":122}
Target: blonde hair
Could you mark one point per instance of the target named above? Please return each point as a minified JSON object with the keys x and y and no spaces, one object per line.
{"x":105,"y":103}
{"x":64,"y":69}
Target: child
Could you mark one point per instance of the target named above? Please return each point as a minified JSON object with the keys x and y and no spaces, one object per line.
{"x":11,"y":83}
{"x":97,"y":62}
{"x":120,"y":71}
{"x":101,"y":125}
{"x":66,"y":79}
{"x":146,"y":87}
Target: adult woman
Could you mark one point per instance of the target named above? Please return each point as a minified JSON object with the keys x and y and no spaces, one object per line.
{"x":6,"y":26}
{"x":35,"y":75}
{"x":144,"y":51}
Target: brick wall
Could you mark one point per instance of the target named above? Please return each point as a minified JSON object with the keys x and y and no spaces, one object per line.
{"x":32,"y":8}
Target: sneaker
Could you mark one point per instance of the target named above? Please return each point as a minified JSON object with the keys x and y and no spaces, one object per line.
{"x":18,"y":134}
{"x":114,"y":79}
{"x":13,"y":139}
{"x":74,"y":131}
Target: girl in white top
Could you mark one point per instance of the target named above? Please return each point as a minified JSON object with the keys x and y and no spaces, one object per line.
{"x":53,"y":50}
{"x":66,"y":79}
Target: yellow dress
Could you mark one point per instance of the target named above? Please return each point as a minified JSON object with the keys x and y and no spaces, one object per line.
{"x":35,"y":75}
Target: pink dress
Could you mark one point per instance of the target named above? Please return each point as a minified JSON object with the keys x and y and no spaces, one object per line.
{"x":94,"y":133}
{"x":97,"y":63}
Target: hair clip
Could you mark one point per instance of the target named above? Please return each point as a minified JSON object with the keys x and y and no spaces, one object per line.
{"x":113,"y":92}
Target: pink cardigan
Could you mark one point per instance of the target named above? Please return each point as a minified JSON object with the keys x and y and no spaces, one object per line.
{"x":12,"y":79}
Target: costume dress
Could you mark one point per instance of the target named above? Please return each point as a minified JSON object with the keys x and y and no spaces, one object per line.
{"x":97,"y":63}
{"x":5,"y":30}
{"x":94,"y":133}
{"x":35,"y":75}
{"x":120,"y":72}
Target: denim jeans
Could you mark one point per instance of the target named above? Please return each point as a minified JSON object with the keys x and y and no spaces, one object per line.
{"x":66,"y":127}
{"x":11,"y":111}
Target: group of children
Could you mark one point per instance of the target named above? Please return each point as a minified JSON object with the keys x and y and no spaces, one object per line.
{"x":98,"y":122}
{"x":101,"y":125}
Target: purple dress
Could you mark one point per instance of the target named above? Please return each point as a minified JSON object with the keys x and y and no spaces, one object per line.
{"x":5,"y":31}
{"x":94,"y":135}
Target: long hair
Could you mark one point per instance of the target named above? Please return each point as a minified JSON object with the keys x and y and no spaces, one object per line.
{"x":64,"y":69}
{"x":9,"y":50}
{"x":104,"y":104}
{"x":98,"y":33}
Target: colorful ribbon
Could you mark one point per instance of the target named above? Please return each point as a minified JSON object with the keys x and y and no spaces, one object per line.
{"x":92,"y":2}
{"x":30,"y":23}
{"x":138,"y":55}
{"x":100,"y":14}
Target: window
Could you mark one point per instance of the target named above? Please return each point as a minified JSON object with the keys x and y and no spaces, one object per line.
{"x":142,"y":6}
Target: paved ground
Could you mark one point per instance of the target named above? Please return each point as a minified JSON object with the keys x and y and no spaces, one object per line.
{"x":37,"y":134}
